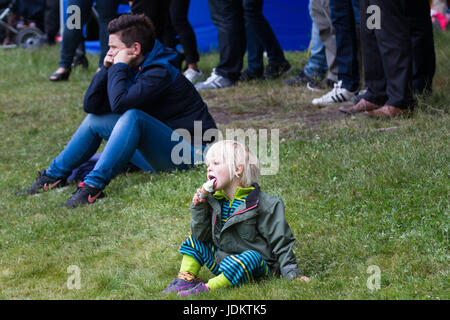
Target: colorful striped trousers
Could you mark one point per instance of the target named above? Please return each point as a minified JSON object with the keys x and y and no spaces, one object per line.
{"x":238,"y":268}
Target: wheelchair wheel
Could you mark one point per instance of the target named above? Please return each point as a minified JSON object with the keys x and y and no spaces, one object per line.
{"x":29,"y":38}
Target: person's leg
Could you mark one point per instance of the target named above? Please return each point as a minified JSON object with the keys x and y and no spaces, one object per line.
{"x":262,"y":31}
{"x":107,"y":10}
{"x":320,"y":14}
{"x":179,"y":18}
{"x":136,"y":130}
{"x":394,"y":43}
{"x":424,"y":57}
{"x":343,"y":18}
{"x":255,"y":51}
{"x":73,"y":37}
{"x":227,"y":16}
{"x":316,"y":67}
{"x":83,"y":144}
{"x":51,"y":20}
{"x":195,"y":255}
{"x":241,"y":268}
{"x":374,"y":76}
{"x":201,"y":252}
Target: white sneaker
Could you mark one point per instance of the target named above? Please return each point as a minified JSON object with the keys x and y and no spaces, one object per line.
{"x":214,"y":81}
{"x":192,"y":75}
{"x":337,"y":96}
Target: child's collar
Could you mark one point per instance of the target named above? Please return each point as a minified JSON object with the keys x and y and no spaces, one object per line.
{"x":238,"y":195}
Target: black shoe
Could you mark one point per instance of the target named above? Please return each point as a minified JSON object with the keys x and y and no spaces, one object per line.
{"x":322,"y":85}
{"x":84,"y":194}
{"x":60,"y":76}
{"x":80,"y":60}
{"x":248,"y":75}
{"x":301,"y":79}
{"x":44,"y":183}
{"x":274,"y":71}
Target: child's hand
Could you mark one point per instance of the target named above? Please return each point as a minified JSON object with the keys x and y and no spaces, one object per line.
{"x":196,"y":200}
{"x":302,"y":278}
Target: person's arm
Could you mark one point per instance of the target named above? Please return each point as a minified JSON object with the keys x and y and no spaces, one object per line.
{"x":148,"y":87}
{"x":201,"y":227}
{"x":96,"y":98}
{"x":274,"y":228}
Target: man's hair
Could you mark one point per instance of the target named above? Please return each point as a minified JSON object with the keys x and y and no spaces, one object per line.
{"x":236,"y":154}
{"x":133,"y":28}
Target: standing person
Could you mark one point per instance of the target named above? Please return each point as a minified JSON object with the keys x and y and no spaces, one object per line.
{"x":135,"y":102}
{"x":398,"y":58}
{"x":158,"y":12}
{"x":179,"y":19}
{"x":72,"y":37}
{"x":345,"y":18}
{"x":260,"y":38}
{"x":320,"y":71}
{"x":51,"y":21}
{"x":228,"y":17}
{"x":238,"y":232}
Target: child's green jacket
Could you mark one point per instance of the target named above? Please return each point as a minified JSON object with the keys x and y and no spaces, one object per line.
{"x":258,"y":224}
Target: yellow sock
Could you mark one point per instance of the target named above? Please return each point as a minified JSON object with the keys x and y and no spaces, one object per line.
{"x":189,"y":264}
{"x":218,"y":282}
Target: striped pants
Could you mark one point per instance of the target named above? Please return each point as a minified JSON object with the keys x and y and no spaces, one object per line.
{"x":238,"y":269}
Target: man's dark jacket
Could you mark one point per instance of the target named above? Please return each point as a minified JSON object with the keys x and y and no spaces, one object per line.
{"x":155,"y":87}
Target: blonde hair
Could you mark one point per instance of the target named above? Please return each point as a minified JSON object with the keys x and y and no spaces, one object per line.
{"x":236,"y":154}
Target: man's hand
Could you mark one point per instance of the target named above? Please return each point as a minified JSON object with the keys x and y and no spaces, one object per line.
{"x":124,"y":56}
{"x":108,"y":61}
{"x":196,"y":200}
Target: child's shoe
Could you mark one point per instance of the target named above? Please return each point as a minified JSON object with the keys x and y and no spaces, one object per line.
{"x":199,"y":288}
{"x":178,"y":284}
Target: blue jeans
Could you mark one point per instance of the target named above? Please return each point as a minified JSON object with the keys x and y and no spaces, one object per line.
{"x":260,"y":37}
{"x":317,"y":65}
{"x":107,"y":10}
{"x":345,"y":18}
{"x":133,"y":136}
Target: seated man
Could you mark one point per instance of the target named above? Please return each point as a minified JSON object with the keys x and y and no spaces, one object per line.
{"x":135,"y":102}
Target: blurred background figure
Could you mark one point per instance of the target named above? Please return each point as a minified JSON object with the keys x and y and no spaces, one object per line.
{"x":228,"y":17}
{"x":179,"y":19}
{"x":72,"y":38}
{"x":260,"y":38}
{"x":399,"y":58}
{"x":345,"y":18}
{"x":320,"y":72}
{"x":51,"y":21}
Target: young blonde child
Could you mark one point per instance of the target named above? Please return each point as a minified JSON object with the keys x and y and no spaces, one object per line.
{"x":238,"y":232}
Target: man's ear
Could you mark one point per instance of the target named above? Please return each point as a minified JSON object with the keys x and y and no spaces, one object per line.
{"x":137,"y":48}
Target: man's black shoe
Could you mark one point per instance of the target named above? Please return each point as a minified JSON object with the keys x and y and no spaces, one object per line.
{"x":300,"y":79}
{"x":248,"y":75}
{"x":274,"y":71}
{"x":83,"y":195}
{"x":44,"y":183}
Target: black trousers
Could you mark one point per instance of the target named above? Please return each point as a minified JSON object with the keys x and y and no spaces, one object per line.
{"x":158,"y":12}
{"x":51,"y":20}
{"x":423,"y":51}
{"x":228,"y":17}
{"x":398,"y":57}
{"x":179,"y":19}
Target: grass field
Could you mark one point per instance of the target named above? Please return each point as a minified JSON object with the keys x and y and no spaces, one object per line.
{"x":358,"y":192}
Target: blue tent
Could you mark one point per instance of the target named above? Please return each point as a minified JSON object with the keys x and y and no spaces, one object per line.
{"x":289,"y":19}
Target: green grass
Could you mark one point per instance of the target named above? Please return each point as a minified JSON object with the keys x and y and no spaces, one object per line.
{"x":356,"y":195}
